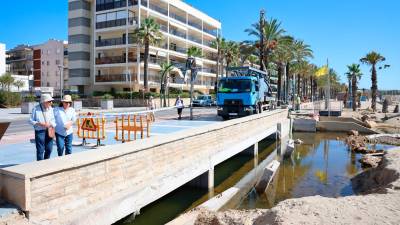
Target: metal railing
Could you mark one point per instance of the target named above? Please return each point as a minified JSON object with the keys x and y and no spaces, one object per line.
{"x":177,"y":17}
{"x":158,"y":9}
{"x":212,"y":32}
{"x":110,"y":42}
{"x":116,"y":23}
{"x":209,"y":70}
{"x":113,"y":60}
{"x":178,"y":49}
{"x":114,"y":5}
{"x":195,"y":39}
{"x":177,"y":33}
{"x":196,"y":25}
{"x":113,"y":78}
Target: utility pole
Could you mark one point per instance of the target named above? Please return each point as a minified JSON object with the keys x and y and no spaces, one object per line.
{"x":261,"y":31}
{"x":61,"y":68}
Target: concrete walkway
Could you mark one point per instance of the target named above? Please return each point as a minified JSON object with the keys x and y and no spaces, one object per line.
{"x":20,"y":148}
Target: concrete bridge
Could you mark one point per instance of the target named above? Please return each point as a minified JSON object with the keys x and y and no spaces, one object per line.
{"x":104,"y":185}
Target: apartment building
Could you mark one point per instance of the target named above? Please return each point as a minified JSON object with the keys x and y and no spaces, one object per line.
{"x":103,"y":54}
{"x":49,"y":65}
{"x":2,"y":58}
{"x":19,"y":60}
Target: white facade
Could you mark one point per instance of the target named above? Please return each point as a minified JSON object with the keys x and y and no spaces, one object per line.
{"x":2,"y":59}
{"x":116,"y":60}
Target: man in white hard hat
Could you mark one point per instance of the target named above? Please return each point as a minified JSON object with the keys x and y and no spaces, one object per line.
{"x":65,"y":117}
{"x":42,"y":119}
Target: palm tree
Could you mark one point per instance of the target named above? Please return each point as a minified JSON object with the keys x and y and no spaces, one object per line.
{"x":19,"y":84}
{"x":231,"y":53}
{"x":166,"y":68}
{"x":246,"y":50}
{"x":269,"y":34}
{"x":192,"y":52}
{"x":354,"y":73}
{"x":252,"y":59}
{"x":6,"y":80}
{"x":219,"y":43}
{"x":373,"y":58}
{"x":147,"y":34}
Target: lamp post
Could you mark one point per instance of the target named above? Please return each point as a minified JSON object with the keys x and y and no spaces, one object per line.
{"x":61,"y":68}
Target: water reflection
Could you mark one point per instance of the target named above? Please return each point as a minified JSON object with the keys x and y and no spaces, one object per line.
{"x":322,"y":165}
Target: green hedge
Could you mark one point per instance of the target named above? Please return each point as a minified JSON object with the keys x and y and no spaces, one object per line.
{"x":10,"y":99}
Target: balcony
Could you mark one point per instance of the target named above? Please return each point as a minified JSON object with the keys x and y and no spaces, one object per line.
{"x":178,"y":49}
{"x":144,"y":3}
{"x":177,"y":33}
{"x":158,"y":9}
{"x":212,"y":32}
{"x":193,"y":24}
{"x":194,"y":39}
{"x":164,"y":28}
{"x":211,"y":56}
{"x":116,"y":23}
{"x":113,"y":60}
{"x":208,"y":43}
{"x":114,"y":78}
{"x":154,"y":60}
{"x":177,"y":17}
{"x":110,"y":42}
{"x":113,"y":5}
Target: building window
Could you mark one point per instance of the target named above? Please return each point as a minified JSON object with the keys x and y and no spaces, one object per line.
{"x":57,"y":62}
{"x":48,"y":84}
{"x":48,"y":63}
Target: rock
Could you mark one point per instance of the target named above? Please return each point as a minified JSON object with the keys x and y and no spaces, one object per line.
{"x":365,"y":117}
{"x":385,"y":106}
{"x":353,"y":132}
{"x":298,"y":141}
{"x":370,"y":124}
{"x":370,"y":161}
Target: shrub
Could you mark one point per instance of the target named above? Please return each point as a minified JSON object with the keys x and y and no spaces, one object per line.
{"x":10,"y":99}
{"x":30,"y":98}
{"x":75,"y":97}
{"x":107,"y":97}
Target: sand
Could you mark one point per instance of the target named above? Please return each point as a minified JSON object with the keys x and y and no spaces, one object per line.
{"x":378,"y":202}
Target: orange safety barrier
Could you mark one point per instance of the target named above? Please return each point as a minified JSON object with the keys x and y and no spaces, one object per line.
{"x":91,"y":128}
{"x":128,"y":124}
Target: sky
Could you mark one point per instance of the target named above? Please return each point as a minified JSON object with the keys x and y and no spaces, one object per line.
{"x":342,"y":31}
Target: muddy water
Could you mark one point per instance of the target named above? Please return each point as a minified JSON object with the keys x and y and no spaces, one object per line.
{"x":322,"y":165}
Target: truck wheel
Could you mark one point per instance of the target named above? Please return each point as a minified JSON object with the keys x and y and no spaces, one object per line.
{"x":260,"y":109}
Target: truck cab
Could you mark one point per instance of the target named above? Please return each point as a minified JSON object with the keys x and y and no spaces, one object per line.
{"x":245,"y":92}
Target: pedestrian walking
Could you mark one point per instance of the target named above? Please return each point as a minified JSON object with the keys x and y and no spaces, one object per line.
{"x":151,"y":105}
{"x":65,"y":117}
{"x":179,"y":105}
{"x":42,"y":119}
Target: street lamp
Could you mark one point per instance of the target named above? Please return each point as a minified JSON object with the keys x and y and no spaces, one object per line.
{"x":61,"y":68}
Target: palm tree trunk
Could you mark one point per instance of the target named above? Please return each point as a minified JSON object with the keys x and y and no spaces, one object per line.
{"x":280,"y":74}
{"x":287,"y":81}
{"x":374,"y":88}
{"x":218,"y":57}
{"x":146,"y":66}
{"x":354,"y":92}
{"x":298,"y":84}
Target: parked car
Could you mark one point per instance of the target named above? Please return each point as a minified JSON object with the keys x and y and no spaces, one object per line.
{"x":203,"y":100}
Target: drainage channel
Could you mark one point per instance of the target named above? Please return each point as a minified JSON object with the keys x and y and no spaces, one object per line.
{"x":227,"y":174}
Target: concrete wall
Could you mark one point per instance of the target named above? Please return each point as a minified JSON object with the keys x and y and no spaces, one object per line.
{"x":107,"y":184}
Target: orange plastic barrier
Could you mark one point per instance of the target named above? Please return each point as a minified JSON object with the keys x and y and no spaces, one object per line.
{"x":126,"y":125}
{"x":91,"y":128}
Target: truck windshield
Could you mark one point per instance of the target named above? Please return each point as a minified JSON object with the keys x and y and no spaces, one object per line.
{"x":202,"y":97}
{"x":234,"y":86}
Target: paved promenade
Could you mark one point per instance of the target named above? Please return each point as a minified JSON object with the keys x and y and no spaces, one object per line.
{"x":17,"y":146}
